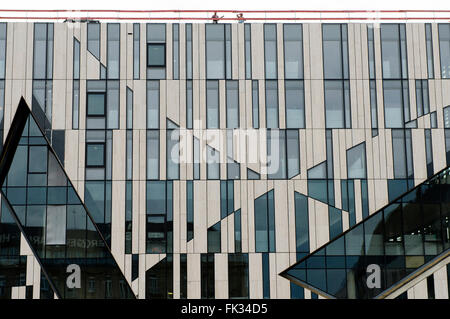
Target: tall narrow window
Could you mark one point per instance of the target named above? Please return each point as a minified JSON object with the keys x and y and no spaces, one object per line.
{"x":159,"y":211}
{"x":396,"y":103}
{"x":207,"y":275}
{"x":214,"y":238}
{"x":176,"y":50}
{"x":270,"y":51}
{"x":265,"y":223}
{"x":215,"y":51}
{"x":232,"y":96}
{"x":226,"y":198}
{"x":136,"y":50}
{"x":429,"y":44}
{"x":173,"y":153}
{"x":356,"y":161}
{"x":189,"y":105}
{"x":228,"y":50}
{"x":129,"y":108}
{"x":272,"y":104}
{"x":393,"y":51}
{"x":93,"y":38}
{"x":293,"y":153}
{"x":444,"y":49}
{"x":2,"y":76}
{"x":113,"y":50}
{"x":213,"y":163}
{"x":301,"y":224}
{"x":248,"y":50}
{"x":429,"y":152}
{"x":43,"y":73}
{"x":212,"y":104}
{"x":238,"y":276}
{"x":337,"y":104}
{"x":112,"y":106}
{"x":402,"y":154}
{"x":189,"y":51}
{"x":255,"y":104}
{"x":152,"y":154}
{"x":422,"y":97}
{"x":295,"y":104}
{"x":276,"y":154}
{"x":336,"y":74}
{"x":156,"y":51}
{"x":76,"y":85}
{"x":189,"y":210}
{"x":293,"y":51}
{"x":372,"y":77}
{"x":152,"y":104}
{"x":237,"y":231}
{"x":335,"y":51}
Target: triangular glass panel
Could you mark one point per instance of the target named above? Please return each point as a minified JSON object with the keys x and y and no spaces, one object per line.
{"x":384,"y":251}
{"x":52,"y":217}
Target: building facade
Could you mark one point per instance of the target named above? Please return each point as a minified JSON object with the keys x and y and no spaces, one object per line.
{"x":211,"y":157}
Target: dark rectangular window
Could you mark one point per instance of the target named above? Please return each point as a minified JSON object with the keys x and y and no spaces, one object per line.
{"x":136,"y":50}
{"x":237,"y":232}
{"x":238,"y":276}
{"x":183,"y":276}
{"x":293,"y":51}
{"x":335,"y":222}
{"x":402,"y":155}
{"x":429,"y":44}
{"x":393,"y":51}
{"x":226,"y":198}
{"x":295,"y":104}
{"x":159,"y":211}
{"x":248,"y":50}
{"x":207,"y":276}
{"x":172,"y":153}
{"x":429,"y":152}
{"x":156,"y":54}
{"x":189,"y":51}
{"x":270,"y":51}
{"x":95,"y":154}
{"x":2,"y":50}
{"x":96,"y":104}
{"x":93,"y":38}
{"x":214,"y":238}
{"x":113,"y":50}
{"x":129,"y":155}
{"x":176,"y":50}
{"x":335,"y":51}
{"x":189,"y":210}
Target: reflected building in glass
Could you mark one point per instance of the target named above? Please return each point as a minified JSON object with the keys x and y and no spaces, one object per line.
{"x":224,"y":160}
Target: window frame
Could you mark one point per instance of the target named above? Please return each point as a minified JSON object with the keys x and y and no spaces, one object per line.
{"x":88,"y":114}
{"x":103,"y":144}
{"x":155,"y":44}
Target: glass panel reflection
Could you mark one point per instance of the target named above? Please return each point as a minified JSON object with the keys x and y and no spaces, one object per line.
{"x":55,"y":222}
{"x":383,"y":249}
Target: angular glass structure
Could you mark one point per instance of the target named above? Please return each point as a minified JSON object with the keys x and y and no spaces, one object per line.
{"x":55,"y":222}
{"x":385,"y":250}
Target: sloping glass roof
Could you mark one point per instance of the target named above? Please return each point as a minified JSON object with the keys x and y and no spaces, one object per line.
{"x":380,"y":252}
